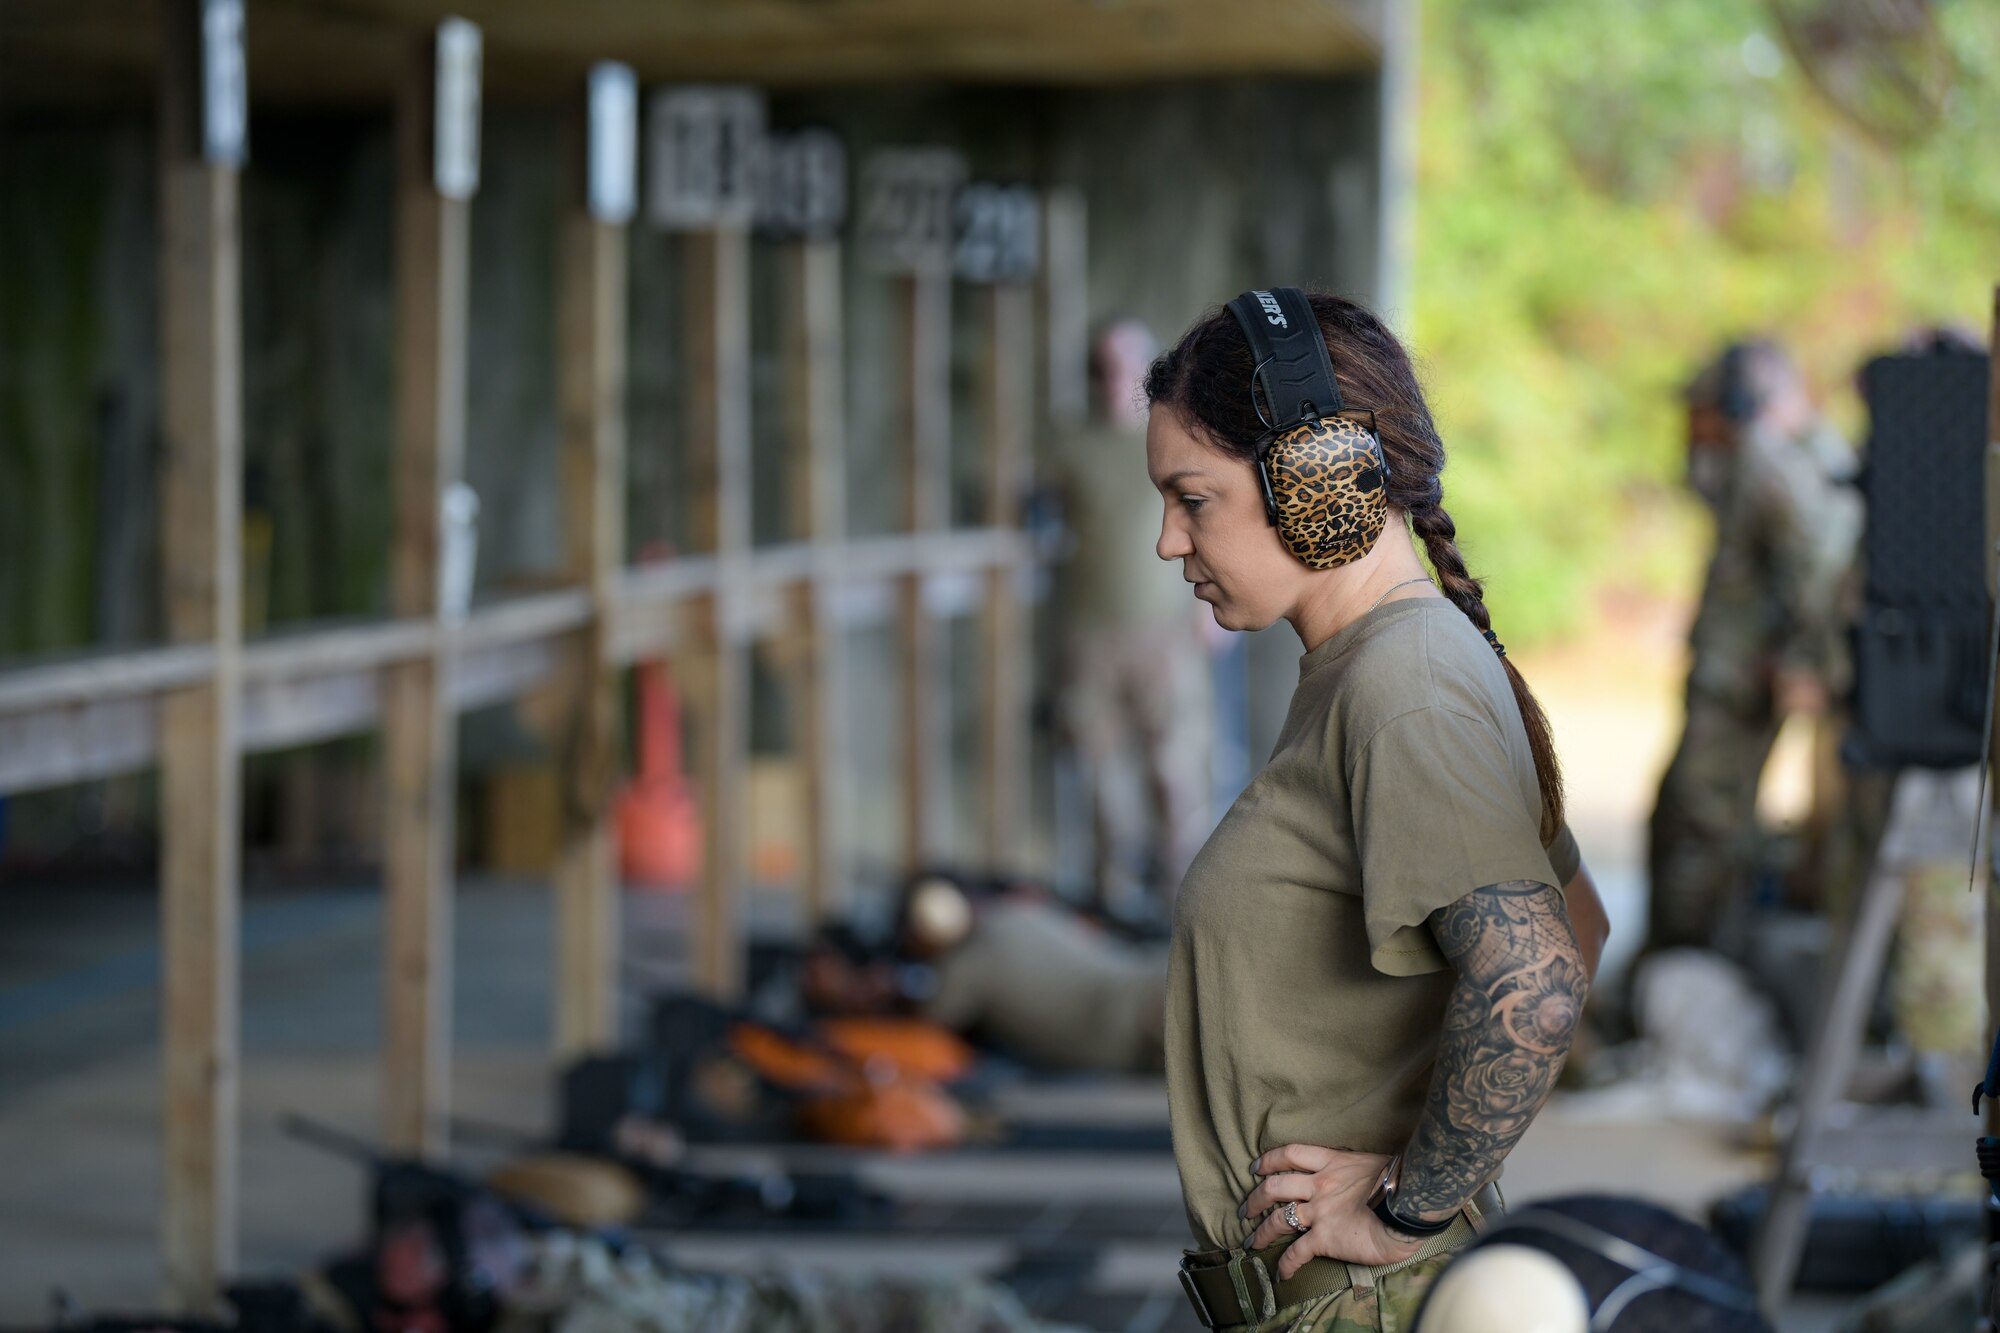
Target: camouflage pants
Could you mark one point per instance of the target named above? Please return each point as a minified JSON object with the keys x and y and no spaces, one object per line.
{"x":1388,"y":1305}
{"x":1703,"y":847}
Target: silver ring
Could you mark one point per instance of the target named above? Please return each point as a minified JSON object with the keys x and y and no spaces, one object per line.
{"x":1292,"y":1217}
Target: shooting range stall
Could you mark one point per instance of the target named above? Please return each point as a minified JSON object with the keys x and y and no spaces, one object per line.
{"x":193,"y":705}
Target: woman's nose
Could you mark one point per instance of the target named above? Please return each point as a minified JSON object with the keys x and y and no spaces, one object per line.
{"x":1173,"y":543}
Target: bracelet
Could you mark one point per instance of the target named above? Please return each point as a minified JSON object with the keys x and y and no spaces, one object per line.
{"x":1419,"y":1230}
{"x":1385,"y":1194}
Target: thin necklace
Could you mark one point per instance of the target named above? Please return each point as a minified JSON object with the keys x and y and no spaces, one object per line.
{"x":1391,"y":588}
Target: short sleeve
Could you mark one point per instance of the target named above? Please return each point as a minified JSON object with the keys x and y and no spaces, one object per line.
{"x":1439,"y":811}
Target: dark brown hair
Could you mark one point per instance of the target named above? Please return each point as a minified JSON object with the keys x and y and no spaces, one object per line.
{"x":1205,"y":378}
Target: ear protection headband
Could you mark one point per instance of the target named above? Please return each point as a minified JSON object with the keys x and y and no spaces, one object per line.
{"x":1324,"y":477}
{"x":1482,"y":1290}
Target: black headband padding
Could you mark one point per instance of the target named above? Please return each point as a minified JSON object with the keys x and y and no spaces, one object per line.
{"x":1289,"y":356}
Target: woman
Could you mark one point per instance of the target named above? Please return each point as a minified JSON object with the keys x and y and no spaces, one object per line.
{"x":1375,"y":976}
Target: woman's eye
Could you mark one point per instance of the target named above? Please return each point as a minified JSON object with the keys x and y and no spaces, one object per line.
{"x":1193,"y":502}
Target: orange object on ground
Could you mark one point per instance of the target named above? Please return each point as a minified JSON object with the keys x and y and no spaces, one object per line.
{"x":906,"y":1114}
{"x":872,"y":1083}
{"x":916,"y":1047}
{"x":793,"y":1065}
{"x":659,"y":825}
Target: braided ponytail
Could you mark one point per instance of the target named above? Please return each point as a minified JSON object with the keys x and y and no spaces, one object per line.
{"x":1203,"y":377}
{"x":1440,"y":537}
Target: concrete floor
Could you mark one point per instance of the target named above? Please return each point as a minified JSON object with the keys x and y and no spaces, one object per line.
{"x":79,"y":1095}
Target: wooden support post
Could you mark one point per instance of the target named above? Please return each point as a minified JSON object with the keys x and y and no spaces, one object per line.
{"x":201,"y":389}
{"x":715,"y":670}
{"x":816,"y":442}
{"x":419,"y":727}
{"x":1004,"y":398}
{"x":592,"y":312}
{"x":923,"y":355}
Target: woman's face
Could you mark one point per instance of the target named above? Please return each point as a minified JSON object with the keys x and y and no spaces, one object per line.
{"x":1215,"y":526}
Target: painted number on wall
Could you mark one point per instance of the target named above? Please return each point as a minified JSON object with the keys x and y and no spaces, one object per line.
{"x":997,"y":233}
{"x":906,"y":208}
{"x":703,"y":145}
{"x":802,"y":186}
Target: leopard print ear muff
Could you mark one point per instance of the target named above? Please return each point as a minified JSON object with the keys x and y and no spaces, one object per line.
{"x":1325,"y":480}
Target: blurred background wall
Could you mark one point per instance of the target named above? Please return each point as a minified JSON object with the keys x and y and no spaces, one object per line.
{"x":1194,"y":189}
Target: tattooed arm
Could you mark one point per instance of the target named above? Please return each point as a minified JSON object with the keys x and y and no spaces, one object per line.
{"x":1513,"y":1012}
{"x":1520,"y":989}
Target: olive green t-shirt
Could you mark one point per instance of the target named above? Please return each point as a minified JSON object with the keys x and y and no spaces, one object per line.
{"x":1305,"y":995}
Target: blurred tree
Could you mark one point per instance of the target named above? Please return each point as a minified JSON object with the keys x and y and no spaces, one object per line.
{"x":1608,"y":191}
{"x":1884,"y":64}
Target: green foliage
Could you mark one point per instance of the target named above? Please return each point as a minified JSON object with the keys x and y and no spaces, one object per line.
{"x":1606,"y":193}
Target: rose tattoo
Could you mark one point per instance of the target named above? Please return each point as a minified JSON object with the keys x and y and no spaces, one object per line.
{"x":1508,"y":1026}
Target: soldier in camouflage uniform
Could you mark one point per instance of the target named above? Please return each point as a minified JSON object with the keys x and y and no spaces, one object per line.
{"x":1768,"y":638}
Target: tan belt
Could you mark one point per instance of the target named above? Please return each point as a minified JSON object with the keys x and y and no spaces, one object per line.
{"x":1229,"y":1288}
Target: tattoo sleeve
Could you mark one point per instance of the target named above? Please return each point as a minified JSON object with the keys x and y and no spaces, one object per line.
{"x":1507,"y":1029}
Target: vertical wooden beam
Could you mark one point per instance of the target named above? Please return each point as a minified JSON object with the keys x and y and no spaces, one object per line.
{"x":201,"y":389}
{"x":592,"y":301}
{"x":716,"y":273}
{"x":816,"y":442}
{"x":923,"y":354}
{"x":1004,"y":398}
{"x":419,"y":727}
{"x":715,"y":669}
{"x":1065,"y":299}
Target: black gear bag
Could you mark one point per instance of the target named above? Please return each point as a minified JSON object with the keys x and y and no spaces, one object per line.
{"x":1920,"y":646}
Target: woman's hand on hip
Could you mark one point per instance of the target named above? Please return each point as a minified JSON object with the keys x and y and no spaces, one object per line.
{"x":1329,"y":1188}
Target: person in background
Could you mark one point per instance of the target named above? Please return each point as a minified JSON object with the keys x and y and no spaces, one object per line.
{"x":1009,"y":967}
{"x":1135,"y":684}
{"x":1767,"y":640}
